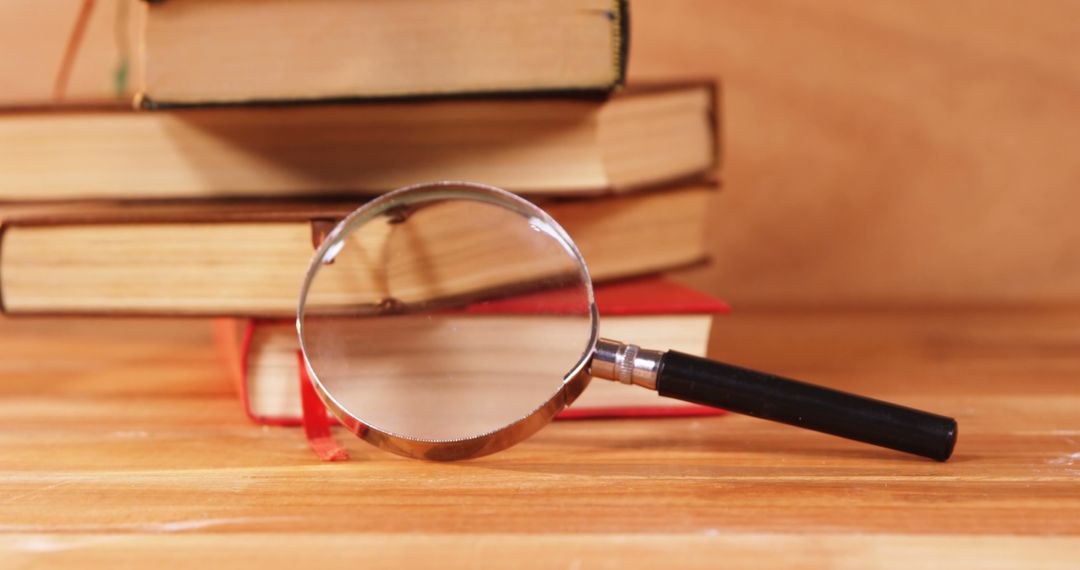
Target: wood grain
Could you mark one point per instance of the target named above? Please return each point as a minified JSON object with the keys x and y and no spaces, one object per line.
{"x":885,"y":152}
{"x":121,"y":444}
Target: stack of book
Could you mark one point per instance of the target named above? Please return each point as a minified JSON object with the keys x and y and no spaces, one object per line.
{"x":260,"y":121}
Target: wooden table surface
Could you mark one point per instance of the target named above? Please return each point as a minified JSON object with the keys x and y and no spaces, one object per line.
{"x":121,"y":445}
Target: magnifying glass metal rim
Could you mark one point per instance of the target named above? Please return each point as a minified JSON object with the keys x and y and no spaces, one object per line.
{"x":574,"y":383}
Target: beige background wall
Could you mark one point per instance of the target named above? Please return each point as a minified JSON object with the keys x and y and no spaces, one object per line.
{"x":890,"y":151}
{"x":33,"y":35}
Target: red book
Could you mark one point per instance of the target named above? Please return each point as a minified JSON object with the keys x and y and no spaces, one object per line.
{"x":651,"y":312}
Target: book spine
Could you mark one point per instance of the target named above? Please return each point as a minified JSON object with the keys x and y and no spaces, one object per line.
{"x":621,"y":15}
{"x":3,"y":230}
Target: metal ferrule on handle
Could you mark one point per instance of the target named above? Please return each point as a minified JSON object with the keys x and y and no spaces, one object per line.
{"x":626,"y":363}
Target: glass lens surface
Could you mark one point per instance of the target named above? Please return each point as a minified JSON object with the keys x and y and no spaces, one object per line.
{"x":446,"y":315}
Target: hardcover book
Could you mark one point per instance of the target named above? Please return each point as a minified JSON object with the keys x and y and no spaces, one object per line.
{"x":262,"y":354}
{"x":212,"y":51}
{"x":641,"y":138}
{"x":245,"y":259}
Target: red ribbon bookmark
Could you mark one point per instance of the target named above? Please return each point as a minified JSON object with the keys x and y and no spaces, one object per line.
{"x":316,"y":424}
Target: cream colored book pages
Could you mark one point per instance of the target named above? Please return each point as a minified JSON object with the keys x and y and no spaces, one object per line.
{"x":637,"y":137}
{"x":254,"y":269}
{"x":284,"y":49}
{"x":535,"y":146}
{"x":273,"y":375}
{"x":299,"y":150}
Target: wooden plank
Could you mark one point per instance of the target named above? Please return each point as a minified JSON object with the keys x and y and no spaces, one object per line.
{"x":121,"y":442}
{"x":709,"y":551}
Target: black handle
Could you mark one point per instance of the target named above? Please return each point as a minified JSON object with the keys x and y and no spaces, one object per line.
{"x":805,"y":405}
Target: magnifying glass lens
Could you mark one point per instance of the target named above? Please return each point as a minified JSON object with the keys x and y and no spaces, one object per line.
{"x":444,"y":316}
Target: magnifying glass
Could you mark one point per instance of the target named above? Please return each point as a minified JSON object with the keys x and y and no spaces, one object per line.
{"x":400,"y":343}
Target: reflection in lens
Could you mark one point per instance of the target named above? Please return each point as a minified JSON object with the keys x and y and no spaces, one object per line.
{"x":445,"y":319}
